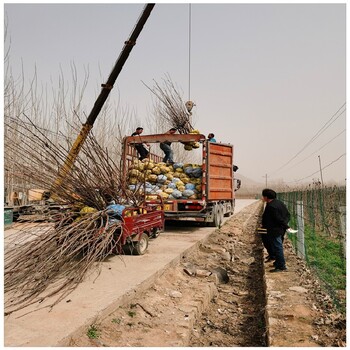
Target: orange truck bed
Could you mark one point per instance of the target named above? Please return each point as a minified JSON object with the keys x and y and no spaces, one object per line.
{"x":217,"y":198}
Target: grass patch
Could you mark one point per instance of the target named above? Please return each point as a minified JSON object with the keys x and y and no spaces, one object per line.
{"x":324,"y":254}
{"x":93,"y":332}
{"x":131,"y":313}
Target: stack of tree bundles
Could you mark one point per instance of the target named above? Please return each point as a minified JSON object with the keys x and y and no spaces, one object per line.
{"x":177,"y":181}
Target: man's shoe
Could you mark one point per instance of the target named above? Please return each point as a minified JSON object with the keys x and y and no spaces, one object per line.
{"x":290,"y":230}
{"x":268,"y":259}
{"x":279,"y":270}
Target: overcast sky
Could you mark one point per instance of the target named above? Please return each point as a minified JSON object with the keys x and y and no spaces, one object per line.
{"x":266,"y":78}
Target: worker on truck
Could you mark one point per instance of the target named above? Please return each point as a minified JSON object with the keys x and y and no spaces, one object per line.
{"x":211,"y":137}
{"x":166,"y":148}
{"x":140,"y":147}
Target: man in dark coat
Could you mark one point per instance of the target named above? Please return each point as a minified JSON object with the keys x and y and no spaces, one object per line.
{"x":140,"y":147}
{"x":275,"y":220}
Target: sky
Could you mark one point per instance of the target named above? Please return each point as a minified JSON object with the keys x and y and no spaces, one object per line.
{"x":268,"y":78}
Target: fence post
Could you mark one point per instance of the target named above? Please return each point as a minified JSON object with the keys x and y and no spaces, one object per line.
{"x":300,"y":235}
{"x":342,"y":214}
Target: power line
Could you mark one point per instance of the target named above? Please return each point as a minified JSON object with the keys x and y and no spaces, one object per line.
{"x":319,"y":132}
{"x":317,"y":150}
{"x":316,"y":172}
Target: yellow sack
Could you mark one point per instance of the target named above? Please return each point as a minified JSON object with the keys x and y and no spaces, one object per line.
{"x":86,"y":210}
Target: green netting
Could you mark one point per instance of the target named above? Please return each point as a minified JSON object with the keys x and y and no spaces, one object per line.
{"x":324,"y":238}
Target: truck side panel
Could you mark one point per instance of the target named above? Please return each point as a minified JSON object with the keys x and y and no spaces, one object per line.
{"x":219,"y":175}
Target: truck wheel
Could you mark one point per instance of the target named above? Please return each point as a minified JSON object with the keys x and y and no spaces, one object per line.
{"x":221,"y":215}
{"x":218,"y":216}
{"x":140,"y":247}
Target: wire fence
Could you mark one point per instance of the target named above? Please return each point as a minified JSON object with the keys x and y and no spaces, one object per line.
{"x":319,"y":214}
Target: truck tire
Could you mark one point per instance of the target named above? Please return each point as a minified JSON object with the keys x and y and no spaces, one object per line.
{"x":221,"y":215}
{"x":218,"y":214}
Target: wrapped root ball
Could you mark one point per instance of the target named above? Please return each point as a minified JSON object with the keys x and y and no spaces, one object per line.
{"x":197,"y":172}
{"x":194,"y":196}
{"x":176,"y":194}
{"x":190,"y":186}
{"x":181,"y":188}
{"x":161,"y":178}
{"x":150,"y":190}
{"x":164,"y":195}
{"x":151,"y":197}
{"x":188,"y":170}
{"x":134,"y":173}
{"x":152,"y":178}
{"x":178,"y":171}
{"x":149,"y":165}
{"x":160,"y":164}
{"x":169,"y":176}
{"x":86,"y":210}
{"x":179,"y":183}
{"x":178,"y":165}
{"x":172,"y":185}
{"x":194,"y":131}
{"x":169,"y":190}
{"x":187,"y":193}
{"x":132,"y":188}
{"x":156,"y":170}
{"x":185,"y":179}
{"x":196,"y":145}
{"x":133,"y":180}
{"x":188,"y":147}
{"x":198,"y":181}
{"x":171,"y":168}
{"x":175,"y":180}
{"x":199,"y":188}
{"x":164,"y":169}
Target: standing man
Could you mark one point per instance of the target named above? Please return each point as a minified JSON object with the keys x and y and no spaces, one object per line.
{"x":275,"y":220}
{"x":166,"y":148}
{"x":140,"y":147}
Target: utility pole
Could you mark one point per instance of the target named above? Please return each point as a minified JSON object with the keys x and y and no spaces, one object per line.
{"x":319,"y":160}
{"x":265,"y":180}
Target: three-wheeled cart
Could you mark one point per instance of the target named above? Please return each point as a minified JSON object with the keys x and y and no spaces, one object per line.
{"x":139,"y":225}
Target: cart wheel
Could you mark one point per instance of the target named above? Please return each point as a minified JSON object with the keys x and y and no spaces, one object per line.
{"x":140,"y":247}
{"x":155,"y":233}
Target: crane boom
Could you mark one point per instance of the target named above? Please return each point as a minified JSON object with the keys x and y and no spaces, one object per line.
{"x":101,"y":99}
